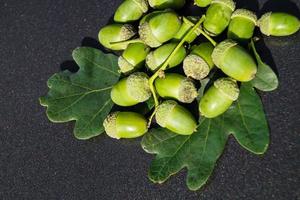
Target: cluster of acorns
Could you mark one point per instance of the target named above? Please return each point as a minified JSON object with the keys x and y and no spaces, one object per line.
{"x":158,"y":45}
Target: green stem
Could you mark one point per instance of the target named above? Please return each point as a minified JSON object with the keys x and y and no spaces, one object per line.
{"x":208,"y":37}
{"x":127,"y":42}
{"x":166,"y":63}
{"x":151,"y":117}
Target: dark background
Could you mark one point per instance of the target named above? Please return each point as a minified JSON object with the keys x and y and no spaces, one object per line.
{"x":42,"y":160}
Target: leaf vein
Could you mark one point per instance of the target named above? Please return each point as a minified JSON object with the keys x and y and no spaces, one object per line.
{"x":95,"y":115}
{"x":77,"y":100}
{"x":74,"y":84}
{"x":77,"y":94}
{"x":243,"y":119}
{"x":98,"y":66}
{"x":161,"y":140}
{"x":205,"y":141}
{"x":173,"y":155}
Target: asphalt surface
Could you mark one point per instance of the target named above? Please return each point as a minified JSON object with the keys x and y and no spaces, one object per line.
{"x":42,"y":160}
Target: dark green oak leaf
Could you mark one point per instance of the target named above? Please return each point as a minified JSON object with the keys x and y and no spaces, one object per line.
{"x":200,"y":151}
{"x":265,"y":79}
{"x":246,"y":120}
{"x":150,"y":103}
{"x":83,"y":96}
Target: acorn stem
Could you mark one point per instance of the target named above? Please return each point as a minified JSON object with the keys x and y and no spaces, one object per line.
{"x":151,"y":117}
{"x":166,"y":63}
{"x":127,"y":42}
{"x":212,"y":41}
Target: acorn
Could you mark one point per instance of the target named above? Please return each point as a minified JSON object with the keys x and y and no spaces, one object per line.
{"x":278,"y":24}
{"x":219,"y":97}
{"x":125,"y":125}
{"x":157,"y":57}
{"x":218,"y":16}
{"x":234,"y":61}
{"x":176,"y":118}
{"x":131,"y":90}
{"x":131,"y":10}
{"x":159,"y":27}
{"x":176,"y":86}
{"x":202,"y":3}
{"x":199,"y":62}
{"x":133,"y":57}
{"x":187,"y":24}
{"x":116,"y":33}
{"x":162,"y":4}
{"x":242,"y":25}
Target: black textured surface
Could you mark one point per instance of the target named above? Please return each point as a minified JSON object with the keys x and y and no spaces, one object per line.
{"x":42,"y":160}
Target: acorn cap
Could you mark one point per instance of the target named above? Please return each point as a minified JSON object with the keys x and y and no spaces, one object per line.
{"x":229,"y":3}
{"x":163,"y":112}
{"x":264,"y":23}
{"x":124,"y":65}
{"x":220,"y":50}
{"x":151,"y":61}
{"x":187,"y":91}
{"x":110,"y":125}
{"x":138,"y":86}
{"x":147,"y":36}
{"x":127,"y":32}
{"x":196,"y":67}
{"x":228,"y":87}
{"x":143,"y":5}
{"x":245,"y":14}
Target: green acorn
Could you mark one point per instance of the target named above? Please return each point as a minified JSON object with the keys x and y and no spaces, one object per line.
{"x":242,"y":25}
{"x":125,"y":125}
{"x":157,"y":57}
{"x":159,"y":27}
{"x":162,"y":4}
{"x":202,"y":3}
{"x":116,"y":33}
{"x":278,"y":24}
{"x":218,"y":16}
{"x":133,"y":57}
{"x":176,"y":86}
{"x":219,"y":97}
{"x":131,"y":90}
{"x":187,"y":24}
{"x":199,"y":62}
{"x":234,"y":61}
{"x":131,"y":10}
{"x":176,"y":118}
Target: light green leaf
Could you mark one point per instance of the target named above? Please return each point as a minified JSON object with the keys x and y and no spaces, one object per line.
{"x":83,"y":96}
{"x":200,"y":151}
{"x":247,"y":122}
{"x":265,"y":79}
